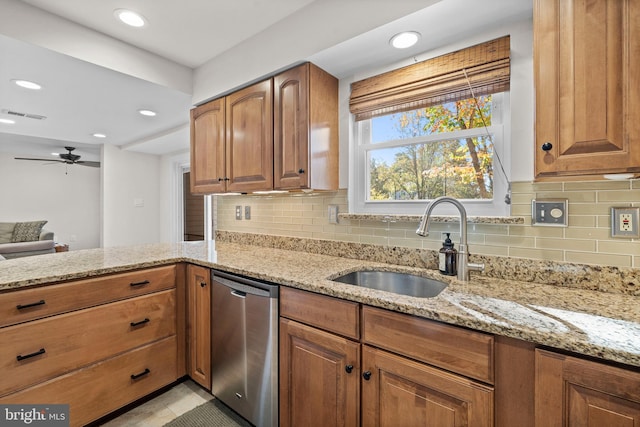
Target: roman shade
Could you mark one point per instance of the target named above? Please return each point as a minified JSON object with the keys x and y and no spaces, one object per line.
{"x":485,"y":67}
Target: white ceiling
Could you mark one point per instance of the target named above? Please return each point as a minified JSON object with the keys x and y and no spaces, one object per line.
{"x":80,"y":98}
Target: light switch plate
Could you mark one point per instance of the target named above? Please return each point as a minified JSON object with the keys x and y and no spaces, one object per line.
{"x":624,"y":222}
{"x":333,"y":214}
{"x":550,"y":212}
{"x":238,"y":212}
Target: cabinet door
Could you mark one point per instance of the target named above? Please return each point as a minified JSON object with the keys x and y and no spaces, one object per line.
{"x":199,"y":325}
{"x":291,"y":128}
{"x":208,"y":148}
{"x":587,"y":77}
{"x":249,"y":152}
{"x":319,"y":378}
{"x":400,"y":392}
{"x":574,"y":392}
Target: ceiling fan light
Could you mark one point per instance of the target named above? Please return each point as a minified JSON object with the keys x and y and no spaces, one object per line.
{"x":405,"y":39}
{"x":148,"y":113}
{"x":130,"y":18}
{"x":99,"y":135}
{"x":27,"y":84}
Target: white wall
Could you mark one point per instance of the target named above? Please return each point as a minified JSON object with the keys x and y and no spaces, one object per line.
{"x":171,"y":206}
{"x":128,"y":177}
{"x":66,"y":196}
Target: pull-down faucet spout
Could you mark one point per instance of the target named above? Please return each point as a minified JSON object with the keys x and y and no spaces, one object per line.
{"x":463,"y":255}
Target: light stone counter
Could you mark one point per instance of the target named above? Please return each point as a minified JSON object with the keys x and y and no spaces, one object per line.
{"x":599,"y":324}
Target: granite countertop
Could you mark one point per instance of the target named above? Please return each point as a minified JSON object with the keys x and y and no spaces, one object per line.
{"x":599,"y":324}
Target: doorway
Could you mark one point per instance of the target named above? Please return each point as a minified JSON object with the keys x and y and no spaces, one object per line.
{"x":193,"y":211}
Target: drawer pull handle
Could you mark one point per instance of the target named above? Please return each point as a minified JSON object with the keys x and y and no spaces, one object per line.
{"x":144,"y":282}
{"x":141,"y":374}
{"x":366,"y":375}
{"x":142,"y":322}
{"x":33,"y":304}
{"x":27,"y":356}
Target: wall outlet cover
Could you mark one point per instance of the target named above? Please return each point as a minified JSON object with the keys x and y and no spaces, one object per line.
{"x":624,"y":222}
{"x":550,"y":212}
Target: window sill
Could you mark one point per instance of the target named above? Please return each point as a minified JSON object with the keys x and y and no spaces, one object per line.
{"x":435,"y":218}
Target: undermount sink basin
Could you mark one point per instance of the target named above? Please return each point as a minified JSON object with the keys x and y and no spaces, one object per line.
{"x":398,"y":283}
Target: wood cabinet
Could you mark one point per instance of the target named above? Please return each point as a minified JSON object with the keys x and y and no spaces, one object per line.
{"x":232,"y":142}
{"x":587,"y":77}
{"x":208,"y":136}
{"x":95,"y":344}
{"x":305,"y":129}
{"x":280,"y":133}
{"x":396,"y":361}
{"x":199,"y":325}
{"x":577,"y":392}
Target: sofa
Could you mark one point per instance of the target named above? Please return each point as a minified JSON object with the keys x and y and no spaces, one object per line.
{"x":20,"y":239}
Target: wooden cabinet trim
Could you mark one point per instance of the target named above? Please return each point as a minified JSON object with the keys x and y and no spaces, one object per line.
{"x":324,"y":312}
{"x":459,"y":350}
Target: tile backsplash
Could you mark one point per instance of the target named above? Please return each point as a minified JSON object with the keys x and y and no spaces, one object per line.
{"x":587,"y":239}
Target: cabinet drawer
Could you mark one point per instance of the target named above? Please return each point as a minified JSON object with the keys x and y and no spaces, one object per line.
{"x":452,"y":348}
{"x":97,"y":390}
{"x":42,"y":349}
{"x":44,"y":301}
{"x":328,"y":313}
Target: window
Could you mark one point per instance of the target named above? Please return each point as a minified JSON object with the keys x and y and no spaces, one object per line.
{"x":433,"y":135}
{"x":405,"y":159}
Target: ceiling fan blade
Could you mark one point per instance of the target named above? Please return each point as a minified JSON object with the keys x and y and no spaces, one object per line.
{"x":88,"y":163}
{"x":39,"y":160}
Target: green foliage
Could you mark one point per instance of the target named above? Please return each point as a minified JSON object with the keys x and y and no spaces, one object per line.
{"x":461,"y":168}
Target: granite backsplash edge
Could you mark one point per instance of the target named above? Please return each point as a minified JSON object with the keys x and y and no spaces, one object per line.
{"x":581,"y":276}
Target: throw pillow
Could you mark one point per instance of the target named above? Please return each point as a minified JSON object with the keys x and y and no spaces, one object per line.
{"x":27,"y":231}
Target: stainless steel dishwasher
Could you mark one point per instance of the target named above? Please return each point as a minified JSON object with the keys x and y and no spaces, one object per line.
{"x":244,"y":358}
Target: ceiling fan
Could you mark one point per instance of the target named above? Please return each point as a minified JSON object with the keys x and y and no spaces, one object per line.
{"x":68,"y":158}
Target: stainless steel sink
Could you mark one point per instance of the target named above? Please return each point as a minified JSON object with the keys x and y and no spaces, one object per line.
{"x":398,"y":283}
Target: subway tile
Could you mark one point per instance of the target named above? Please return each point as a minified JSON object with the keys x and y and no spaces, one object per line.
{"x":628,"y":196}
{"x":521,"y":187}
{"x":522,"y":198}
{"x":537,"y":231}
{"x":596,"y":185}
{"x":488,"y":228}
{"x":586,"y":233}
{"x":373,"y":240}
{"x":510,"y":241}
{"x":521,"y":210}
{"x":542,"y":254}
{"x":488,"y":250}
{"x":599,"y":259}
{"x":566,"y":244}
{"x":573,"y":197}
{"x":582,"y":221}
{"x":405,"y":243}
{"x":547,"y":186}
{"x":618,"y":246}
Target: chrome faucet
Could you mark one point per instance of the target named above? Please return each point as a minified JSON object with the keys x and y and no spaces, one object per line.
{"x":463,"y":264}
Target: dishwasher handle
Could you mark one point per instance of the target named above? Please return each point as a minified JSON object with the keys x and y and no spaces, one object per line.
{"x":238,"y":294}
{"x":246,"y":286}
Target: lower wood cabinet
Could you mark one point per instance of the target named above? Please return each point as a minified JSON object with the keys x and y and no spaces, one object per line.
{"x":319,"y":377}
{"x":199,"y":324}
{"x":397,"y":391}
{"x":324,"y":373}
{"x":96,"y":344}
{"x":576,"y":392}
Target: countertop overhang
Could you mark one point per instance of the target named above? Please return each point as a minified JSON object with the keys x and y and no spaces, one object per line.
{"x":592,"y":323}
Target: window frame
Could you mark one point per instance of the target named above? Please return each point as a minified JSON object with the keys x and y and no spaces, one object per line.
{"x":359,"y":168}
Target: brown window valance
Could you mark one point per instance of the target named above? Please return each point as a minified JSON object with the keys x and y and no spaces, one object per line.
{"x":434,"y":81}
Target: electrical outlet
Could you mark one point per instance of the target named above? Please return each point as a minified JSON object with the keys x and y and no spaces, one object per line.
{"x":238,"y":213}
{"x":333,"y":214}
{"x":624,"y":222}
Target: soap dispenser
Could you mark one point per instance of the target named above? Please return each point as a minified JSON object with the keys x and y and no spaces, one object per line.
{"x":448,"y":257}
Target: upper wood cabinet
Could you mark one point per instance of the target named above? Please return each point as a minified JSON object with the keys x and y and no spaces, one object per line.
{"x":208,"y":136}
{"x":249,"y":143}
{"x":587,"y":78}
{"x":232,"y":142}
{"x":305,"y":129}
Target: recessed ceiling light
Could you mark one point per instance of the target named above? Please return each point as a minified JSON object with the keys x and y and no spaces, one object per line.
{"x":149,"y":113}
{"x":7,"y":121}
{"x":55,"y":154}
{"x":27,"y":84}
{"x":130,"y":17}
{"x":99,"y":135}
{"x":405,"y":39}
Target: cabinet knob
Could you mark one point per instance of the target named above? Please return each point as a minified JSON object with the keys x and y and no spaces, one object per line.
{"x":300,"y":170}
{"x":203,"y":284}
{"x":547,"y":146}
{"x":348,"y":368}
{"x":220,"y":179}
{"x":227,"y":179}
{"x":366,"y":375}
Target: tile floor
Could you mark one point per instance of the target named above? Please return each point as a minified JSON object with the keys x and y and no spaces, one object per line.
{"x":164,"y":408}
